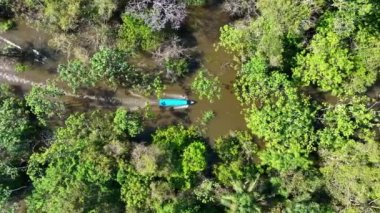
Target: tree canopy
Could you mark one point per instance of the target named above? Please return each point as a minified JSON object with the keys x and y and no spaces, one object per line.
{"x":305,"y":73}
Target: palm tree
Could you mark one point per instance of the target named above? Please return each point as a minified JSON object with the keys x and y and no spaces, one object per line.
{"x":243,"y":199}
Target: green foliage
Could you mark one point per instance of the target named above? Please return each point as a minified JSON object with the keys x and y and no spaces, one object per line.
{"x":288,"y":118}
{"x":76,"y":172}
{"x":176,"y":68}
{"x":347,"y":122}
{"x":20,"y":68}
{"x":76,"y":74}
{"x":264,"y":35}
{"x":236,"y":152}
{"x":159,"y":173}
{"x":194,"y":158}
{"x":279,"y":114}
{"x":16,"y":131}
{"x":352,"y":177}
{"x":4,"y":196}
{"x":254,"y":85}
{"x":151,"y":85}
{"x":312,"y":158}
{"x":183,"y":154}
{"x":68,"y":15}
{"x":235,"y":39}
{"x":332,"y":66}
{"x":287,"y":126}
{"x":146,"y":159}
{"x":308,"y":207}
{"x":6,"y":25}
{"x":17,"y":137}
{"x":205,"y":85}
{"x":134,"y":35}
{"x":45,"y":103}
{"x":234,"y":170}
{"x":350,"y":16}
{"x":341,"y":56}
{"x":206,"y":191}
{"x":206,"y":117}
{"x":175,"y":138}
{"x":134,"y":187}
{"x":7,"y":205}
{"x":368,"y":47}
{"x":110,"y":64}
{"x":126,"y":122}
{"x":298,"y":186}
{"x":238,"y":145}
{"x":243,"y":199}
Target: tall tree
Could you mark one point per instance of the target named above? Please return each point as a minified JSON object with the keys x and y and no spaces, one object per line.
{"x":279,"y":114}
{"x":266,"y":35}
{"x":348,"y":121}
{"x":44,"y":101}
{"x":17,"y":137}
{"x":78,"y":172}
{"x":341,"y":56}
{"x":352,"y":176}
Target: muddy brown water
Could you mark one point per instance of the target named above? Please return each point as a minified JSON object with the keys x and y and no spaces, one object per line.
{"x":203,"y":24}
{"x":206,"y":24}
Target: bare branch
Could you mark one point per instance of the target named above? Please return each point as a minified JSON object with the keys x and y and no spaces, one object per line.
{"x":159,"y":14}
{"x":240,"y":7}
{"x":172,"y":49}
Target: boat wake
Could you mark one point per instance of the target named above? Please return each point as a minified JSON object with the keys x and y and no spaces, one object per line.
{"x":133,"y":102}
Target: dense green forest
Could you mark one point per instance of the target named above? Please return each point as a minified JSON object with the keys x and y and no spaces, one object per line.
{"x":304,"y":69}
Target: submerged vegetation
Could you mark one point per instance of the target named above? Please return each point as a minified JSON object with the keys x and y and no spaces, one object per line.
{"x":301,"y":151}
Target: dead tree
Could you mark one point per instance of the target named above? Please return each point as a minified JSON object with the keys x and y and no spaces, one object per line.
{"x":158,"y":14}
{"x":172,"y":49}
{"x":240,"y":8}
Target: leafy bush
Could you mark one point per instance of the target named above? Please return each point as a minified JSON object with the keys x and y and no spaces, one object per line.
{"x":45,"y":102}
{"x":76,"y":75}
{"x":194,"y":159}
{"x":6,"y":25}
{"x":135,"y":35}
{"x":110,"y":64}
{"x":206,"y":85}
{"x":68,"y":15}
{"x":176,"y":68}
{"x":21,"y":67}
{"x":127,"y":123}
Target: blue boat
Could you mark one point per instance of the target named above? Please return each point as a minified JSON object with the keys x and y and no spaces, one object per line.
{"x":175,"y":102}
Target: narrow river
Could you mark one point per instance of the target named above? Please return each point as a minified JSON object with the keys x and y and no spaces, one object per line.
{"x":203,"y":27}
{"x":207,"y":25}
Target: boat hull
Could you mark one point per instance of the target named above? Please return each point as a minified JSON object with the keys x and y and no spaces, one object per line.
{"x":174,"y":102}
